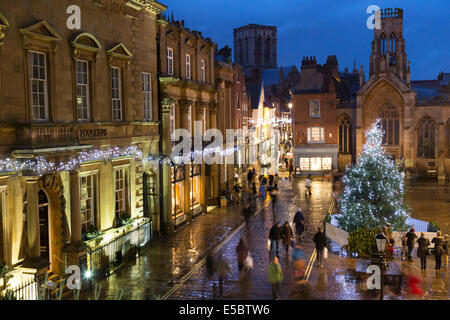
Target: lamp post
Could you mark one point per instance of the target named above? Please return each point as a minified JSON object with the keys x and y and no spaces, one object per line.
{"x":381,"y":245}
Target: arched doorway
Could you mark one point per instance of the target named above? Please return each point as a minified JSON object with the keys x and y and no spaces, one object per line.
{"x":44,"y":225}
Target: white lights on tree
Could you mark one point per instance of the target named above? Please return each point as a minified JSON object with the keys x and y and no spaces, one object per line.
{"x":374,"y":189}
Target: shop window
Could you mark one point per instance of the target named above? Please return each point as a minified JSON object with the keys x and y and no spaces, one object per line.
{"x":150,"y":194}
{"x":195,"y":185}
{"x":177,"y":191}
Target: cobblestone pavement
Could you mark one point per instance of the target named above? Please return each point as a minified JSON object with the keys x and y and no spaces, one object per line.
{"x":173,"y":266}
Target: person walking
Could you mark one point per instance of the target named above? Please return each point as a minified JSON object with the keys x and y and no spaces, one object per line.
{"x":222,"y":269}
{"x":276,"y":181}
{"x":404,"y":254}
{"x":242,"y":253}
{"x":446,"y":247}
{"x":299,"y":221}
{"x":249,"y":177}
{"x":411,"y":239}
{"x":308,"y":186}
{"x":320,"y":241}
{"x":422,"y":251}
{"x":247,"y":213}
{"x":438,"y":249}
{"x":287,"y":235}
{"x":262,"y":191}
{"x":237,"y":194}
{"x":275,"y":277}
{"x":274,"y":197}
{"x":275,"y":239}
{"x":291,"y":169}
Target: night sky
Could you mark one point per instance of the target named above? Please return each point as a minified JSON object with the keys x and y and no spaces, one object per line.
{"x":326,"y":27}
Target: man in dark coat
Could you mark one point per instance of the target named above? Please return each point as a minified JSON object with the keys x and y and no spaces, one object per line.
{"x":438,"y":249}
{"x":320,"y":241}
{"x":286,"y":235}
{"x":411,"y":239}
{"x":422,"y":251}
{"x":247,"y":213}
{"x":275,"y":239}
{"x":299,"y":221}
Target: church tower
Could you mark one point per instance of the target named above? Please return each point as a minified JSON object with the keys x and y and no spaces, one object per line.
{"x":388,"y":45}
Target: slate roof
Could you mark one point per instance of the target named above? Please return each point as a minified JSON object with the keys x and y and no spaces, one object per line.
{"x":272,"y":76}
{"x":427,"y":88}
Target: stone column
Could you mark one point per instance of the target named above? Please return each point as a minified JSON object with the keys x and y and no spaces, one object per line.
{"x":185,"y":106}
{"x":214,"y":167}
{"x":199,"y":116}
{"x":167,"y":225}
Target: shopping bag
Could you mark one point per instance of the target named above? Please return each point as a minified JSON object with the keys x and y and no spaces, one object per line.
{"x":248,"y":263}
{"x":325,"y":253}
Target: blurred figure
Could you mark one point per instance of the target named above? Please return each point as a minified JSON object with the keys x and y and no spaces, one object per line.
{"x":262,"y":190}
{"x":275,"y":239}
{"x":242,"y":253}
{"x":404,"y":254}
{"x":414,"y":284}
{"x":299,"y":221}
{"x":275,"y":277}
{"x":422,"y":251}
{"x":308,"y":186}
{"x":222,"y":269}
{"x":291,"y":169}
{"x":446,"y":247}
{"x":274,"y":197}
{"x":438,"y":249}
{"x":276,"y":180}
{"x":237,"y":194}
{"x":320,"y":241}
{"x":287,"y":235}
{"x":411,"y":239}
{"x":249,"y":177}
{"x":247,"y":213}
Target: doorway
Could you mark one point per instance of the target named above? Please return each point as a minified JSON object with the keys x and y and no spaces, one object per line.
{"x":44,"y":225}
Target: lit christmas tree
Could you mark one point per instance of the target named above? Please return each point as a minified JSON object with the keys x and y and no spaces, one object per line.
{"x":374,"y":189}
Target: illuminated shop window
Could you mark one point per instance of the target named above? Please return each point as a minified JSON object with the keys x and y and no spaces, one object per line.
{"x":177,"y":191}
{"x":316,"y":164}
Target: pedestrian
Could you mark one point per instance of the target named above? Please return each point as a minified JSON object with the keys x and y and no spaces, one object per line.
{"x":299,"y":221}
{"x":249,"y":177}
{"x":222,"y":269}
{"x":237,"y":194}
{"x":287,"y":235}
{"x":320,"y":242}
{"x":291,"y":169}
{"x":275,"y":181}
{"x":404,"y":253}
{"x":275,"y":277}
{"x":264,"y":180}
{"x":438,"y":249}
{"x":262,"y":191}
{"x":254,"y":188}
{"x":308,"y":186}
{"x":446,"y":247}
{"x":411,"y":239}
{"x":275,"y":239}
{"x":247,"y":213}
{"x":236,"y":177}
{"x":242,"y":253}
{"x":274,"y":197}
{"x":422,"y":251}
{"x":271,"y":178}
{"x":210,"y":266}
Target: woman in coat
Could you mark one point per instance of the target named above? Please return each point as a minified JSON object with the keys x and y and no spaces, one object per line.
{"x":287,"y":235}
{"x":438,"y":249}
{"x":242,"y":253}
{"x":422,"y":251}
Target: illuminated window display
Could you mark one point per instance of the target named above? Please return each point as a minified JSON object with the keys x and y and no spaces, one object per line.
{"x":195,"y":185}
{"x":177,"y":192}
{"x":316,"y":164}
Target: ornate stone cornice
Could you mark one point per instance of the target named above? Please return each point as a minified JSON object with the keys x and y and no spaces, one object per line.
{"x":213,"y":107}
{"x":86,"y":42}
{"x":166,"y":104}
{"x":200,"y":107}
{"x":37,"y":33}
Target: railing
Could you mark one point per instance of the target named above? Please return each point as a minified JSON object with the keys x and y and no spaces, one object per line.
{"x":438,"y":100}
{"x":103,"y":261}
{"x":27,"y":290}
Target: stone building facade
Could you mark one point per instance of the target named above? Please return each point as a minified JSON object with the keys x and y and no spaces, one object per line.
{"x":415,"y":115}
{"x":255,"y":46}
{"x":79,"y":117}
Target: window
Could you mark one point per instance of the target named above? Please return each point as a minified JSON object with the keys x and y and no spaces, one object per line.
{"x":88,"y":196}
{"x":172,"y":122}
{"x":188,"y":66}
{"x":393,"y":54}
{"x":150,"y":194}
{"x":316,"y":135}
{"x":38,"y":86}
{"x":195,"y":185}
{"x":189,"y":119}
{"x":316,"y":164}
{"x":170,"y":61}
{"x":116,"y":93}
{"x":204,"y":120}
{"x":121,"y":195}
{"x":390,"y":124}
{"x":82,"y":90}
{"x":314,"y":108}
{"x":426,"y":138}
{"x":147,"y":95}
{"x":177,"y":191}
{"x":203,"y":70}
{"x":345,"y":135}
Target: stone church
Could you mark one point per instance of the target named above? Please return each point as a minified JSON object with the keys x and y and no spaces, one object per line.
{"x":415,"y":115}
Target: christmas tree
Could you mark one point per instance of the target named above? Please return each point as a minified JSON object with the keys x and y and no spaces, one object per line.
{"x":374,"y":189}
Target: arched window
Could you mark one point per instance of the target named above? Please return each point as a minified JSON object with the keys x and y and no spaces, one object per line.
{"x":383,"y":44}
{"x":393,"y":53}
{"x":426,"y":138}
{"x":390,"y":124}
{"x":268,"y":51}
{"x":345,"y":135}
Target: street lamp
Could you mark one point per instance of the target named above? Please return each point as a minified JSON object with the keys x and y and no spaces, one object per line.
{"x":381,"y":245}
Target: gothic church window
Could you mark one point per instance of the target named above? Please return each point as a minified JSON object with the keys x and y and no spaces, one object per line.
{"x":393,"y":53}
{"x":390,"y":124}
{"x":426,"y":138}
{"x":345,"y":135}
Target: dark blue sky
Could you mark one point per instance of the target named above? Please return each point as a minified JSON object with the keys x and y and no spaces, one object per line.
{"x":327,"y":27}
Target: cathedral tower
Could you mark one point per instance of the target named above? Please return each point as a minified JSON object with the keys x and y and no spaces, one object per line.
{"x":388,"y":45}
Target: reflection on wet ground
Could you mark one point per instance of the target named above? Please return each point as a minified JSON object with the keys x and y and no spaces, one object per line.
{"x":170,"y":258}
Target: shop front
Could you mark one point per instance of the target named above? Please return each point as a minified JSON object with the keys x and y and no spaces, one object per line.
{"x":194,"y":196}
{"x":316,"y":160}
{"x":178,"y":211}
